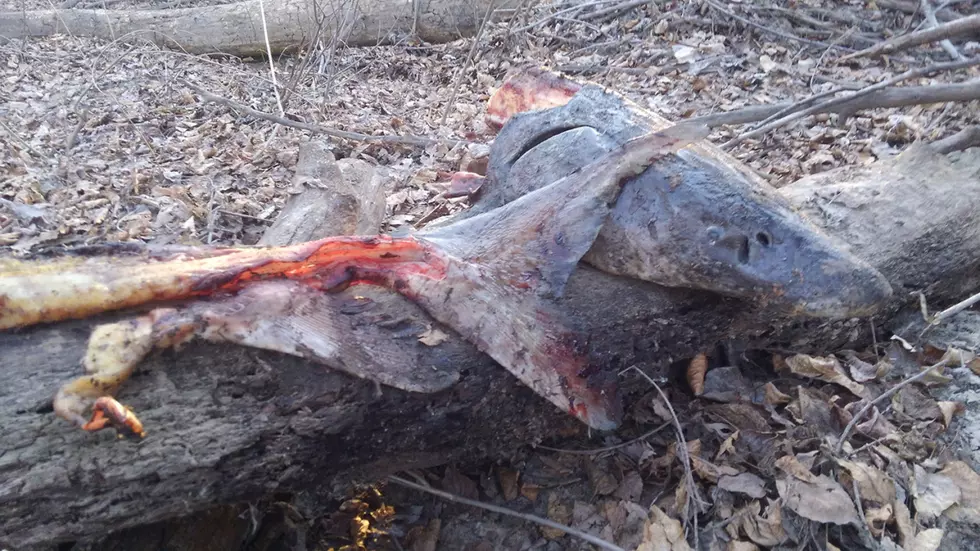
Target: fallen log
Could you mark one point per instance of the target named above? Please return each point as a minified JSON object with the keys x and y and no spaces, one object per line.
{"x":230,"y":424}
{"x":237,"y":28}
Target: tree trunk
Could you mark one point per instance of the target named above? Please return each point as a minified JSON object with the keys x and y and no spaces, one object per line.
{"x":236,"y":29}
{"x":229,"y":424}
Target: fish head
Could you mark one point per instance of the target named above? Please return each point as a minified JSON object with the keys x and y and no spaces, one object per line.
{"x":693,"y":223}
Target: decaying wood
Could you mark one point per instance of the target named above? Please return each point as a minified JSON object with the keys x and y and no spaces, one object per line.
{"x":230,"y":424}
{"x":236,"y":28}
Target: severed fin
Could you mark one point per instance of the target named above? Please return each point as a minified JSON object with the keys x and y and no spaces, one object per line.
{"x":336,"y":329}
{"x":339,"y":330}
{"x":537,"y":240}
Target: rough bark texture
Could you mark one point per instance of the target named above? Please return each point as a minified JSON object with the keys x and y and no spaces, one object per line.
{"x":236,"y":29}
{"x":228,"y":424}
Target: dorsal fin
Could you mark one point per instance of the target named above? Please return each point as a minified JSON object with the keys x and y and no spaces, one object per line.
{"x":537,"y":240}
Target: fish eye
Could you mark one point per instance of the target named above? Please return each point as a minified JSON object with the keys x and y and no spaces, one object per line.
{"x":714,"y":233}
{"x":764,"y":238}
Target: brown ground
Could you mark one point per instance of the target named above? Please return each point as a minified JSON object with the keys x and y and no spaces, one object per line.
{"x":104,"y":141}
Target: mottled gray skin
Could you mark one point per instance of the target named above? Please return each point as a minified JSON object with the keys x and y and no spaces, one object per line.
{"x":689,"y":221}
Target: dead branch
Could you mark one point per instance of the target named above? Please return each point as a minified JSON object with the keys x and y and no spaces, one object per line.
{"x":959,"y":27}
{"x":318,"y":129}
{"x":912,"y":8}
{"x":964,"y":139}
{"x":930,"y":15}
{"x":775,"y":32}
{"x":889,"y":97}
{"x":834,"y":103}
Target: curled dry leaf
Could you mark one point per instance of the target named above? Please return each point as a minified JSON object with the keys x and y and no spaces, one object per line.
{"x":662,"y":533}
{"x":709,"y":471}
{"x":743,"y":483}
{"x":877,"y":518}
{"x":826,"y":369}
{"x":696,"y":370}
{"x":875,"y":486}
{"x":766,"y":531}
{"x":773,"y":396}
{"x":968,"y":481}
{"x":934,"y":493}
{"x":950,"y":409}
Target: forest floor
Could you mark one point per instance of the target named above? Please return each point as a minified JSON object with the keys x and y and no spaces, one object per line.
{"x":106,"y":141}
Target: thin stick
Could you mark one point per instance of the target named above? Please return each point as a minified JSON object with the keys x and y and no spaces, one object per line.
{"x":888,"y":393}
{"x":955,"y":309}
{"x":826,"y":105}
{"x":692,"y":488}
{"x":957,"y":27}
{"x":640,"y":438}
{"x":930,"y":15}
{"x":504,"y":511}
{"x":775,"y":32}
{"x":466,"y":64}
{"x":342,"y":134}
{"x":272,"y":61}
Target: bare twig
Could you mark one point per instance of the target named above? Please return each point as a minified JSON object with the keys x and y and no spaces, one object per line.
{"x":964,"y":139}
{"x":614,"y":447}
{"x":911,"y":8}
{"x":272,"y":60}
{"x":342,"y":134}
{"x":930,"y":14}
{"x":836,"y":102}
{"x":504,"y":511}
{"x":965,"y":25}
{"x":888,"y":393}
{"x":613,"y":11}
{"x":692,"y":487}
{"x":893,"y":97}
{"x":954,"y":309}
{"x":466,"y":64}
{"x":576,"y":9}
{"x":775,"y":32}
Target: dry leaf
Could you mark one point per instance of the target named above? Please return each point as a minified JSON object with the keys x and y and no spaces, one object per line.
{"x":709,"y":471}
{"x":815,"y":497}
{"x":743,"y":483}
{"x":934,"y":493}
{"x":823,"y":369}
{"x":425,"y":538}
{"x":662,"y":533}
{"x":457,"y":483}
{"x":507,"y":478}
{"x":433,"y":337}
{"x":766,"y":531}
{"x":903,"y":524}
{"x":874,"y":485}
{"x":696,"y":370}
{"x":949,"y":409}
{"x":968,"y":481}
{"x":742,"y":546}
{"x":926,"y":540}
{"x":559,"y":512}
{"x":631,"y":487}
{"x":773,"y":396}
{"x":766,"y":63}
{"x":728,"y":446}
{"x":530,"y":491}
{"x":877,"y":518}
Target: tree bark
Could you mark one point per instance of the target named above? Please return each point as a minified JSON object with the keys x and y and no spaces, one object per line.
{"x":236,"y":29}
{"x":228,"y":424}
